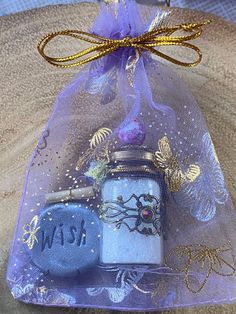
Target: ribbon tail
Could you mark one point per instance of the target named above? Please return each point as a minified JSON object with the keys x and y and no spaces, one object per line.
{"x":141,"y":82}
{"x":135,"y":110}
{"x":131,"y":98}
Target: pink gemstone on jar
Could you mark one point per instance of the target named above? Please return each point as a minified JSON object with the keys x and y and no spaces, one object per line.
{"x":147,"y":214}
{"x":133,"y":133}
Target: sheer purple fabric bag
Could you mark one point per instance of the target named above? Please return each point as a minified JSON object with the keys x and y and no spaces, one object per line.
{"x":124,"y":204}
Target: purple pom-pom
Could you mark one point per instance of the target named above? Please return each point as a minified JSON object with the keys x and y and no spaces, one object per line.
{"x":133,"y":133}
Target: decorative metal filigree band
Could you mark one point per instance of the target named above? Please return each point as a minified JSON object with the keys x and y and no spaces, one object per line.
{"x":144,"y":217}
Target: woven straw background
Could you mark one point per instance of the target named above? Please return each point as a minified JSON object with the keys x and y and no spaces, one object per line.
{"x":224,"y":8}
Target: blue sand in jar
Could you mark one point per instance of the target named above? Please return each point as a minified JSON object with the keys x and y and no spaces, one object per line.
{"x":67,"y":240}
{"x":120,"y":246}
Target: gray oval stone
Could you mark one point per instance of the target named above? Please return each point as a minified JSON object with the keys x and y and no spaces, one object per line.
{"x":67,"y":240}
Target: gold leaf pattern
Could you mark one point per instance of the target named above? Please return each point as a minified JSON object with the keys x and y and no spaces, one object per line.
{"x":82,"y":160}
{"x":104,"y":153}
{"x":111,"y":1}
{"x":214,"y":150}
{"x":192,"y":173}
{"x":97,"y":139}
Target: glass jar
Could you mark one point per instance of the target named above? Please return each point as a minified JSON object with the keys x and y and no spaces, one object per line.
{"x":131,"y":210}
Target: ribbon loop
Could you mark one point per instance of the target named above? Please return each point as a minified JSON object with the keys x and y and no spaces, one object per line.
{"x":148,"y":41}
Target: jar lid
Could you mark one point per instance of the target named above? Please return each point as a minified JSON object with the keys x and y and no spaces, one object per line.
{"x":72,"y":194}
{"x":132,"y":155}
{"x":132,"y":169}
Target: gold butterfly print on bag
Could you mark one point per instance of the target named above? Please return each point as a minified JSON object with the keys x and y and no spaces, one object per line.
{"x":198,"y":262}
{"x":29,"y":232}
{"x":166,"y":161}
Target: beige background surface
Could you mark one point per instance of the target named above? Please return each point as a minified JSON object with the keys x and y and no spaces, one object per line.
{"x":28,"y":89}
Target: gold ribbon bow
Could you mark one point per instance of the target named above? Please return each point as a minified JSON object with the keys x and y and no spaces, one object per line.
{"x":102,"y":46}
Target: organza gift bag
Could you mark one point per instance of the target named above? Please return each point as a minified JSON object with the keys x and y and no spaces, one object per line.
{"x":124,"y":204}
